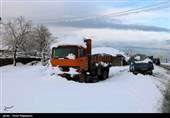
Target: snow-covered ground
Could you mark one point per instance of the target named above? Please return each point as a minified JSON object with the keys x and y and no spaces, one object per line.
{"x":167,"y":64}
{"x":27,"y":88}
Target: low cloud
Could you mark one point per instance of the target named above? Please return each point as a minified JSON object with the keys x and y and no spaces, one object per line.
{"x":114,"y":24}
{"x":111,"y":37}
{"x":125,"y":35}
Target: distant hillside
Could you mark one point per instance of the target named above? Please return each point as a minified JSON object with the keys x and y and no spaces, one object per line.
{"x":168,"y":41}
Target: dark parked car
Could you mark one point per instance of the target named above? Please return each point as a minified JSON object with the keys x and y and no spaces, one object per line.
{"x":143,"y":67}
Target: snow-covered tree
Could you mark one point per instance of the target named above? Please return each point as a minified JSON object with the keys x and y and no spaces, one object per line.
{"x":42,"y":38}
{"x":29,"y":46}
{"x":15,"y":33}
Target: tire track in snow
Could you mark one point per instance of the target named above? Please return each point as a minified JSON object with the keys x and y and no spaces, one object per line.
{"x":162,"y":78}
{"x":118,"y":73}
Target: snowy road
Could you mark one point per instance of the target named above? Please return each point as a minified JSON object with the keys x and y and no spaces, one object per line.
{"x":166,"y":67}
{"x":34,"y":89}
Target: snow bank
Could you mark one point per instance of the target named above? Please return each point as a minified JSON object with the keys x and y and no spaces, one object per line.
{"x":72,"y":72}
{"x":56,"y":71}
{"x":166,"y":64}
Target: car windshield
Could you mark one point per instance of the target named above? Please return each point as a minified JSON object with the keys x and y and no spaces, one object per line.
{"x":64,"y":52}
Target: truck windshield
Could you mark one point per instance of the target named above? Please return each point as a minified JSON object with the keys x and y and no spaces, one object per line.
{"x":64,"y":52}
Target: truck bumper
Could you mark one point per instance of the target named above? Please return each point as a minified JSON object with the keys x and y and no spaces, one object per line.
{"x":70,"y":77}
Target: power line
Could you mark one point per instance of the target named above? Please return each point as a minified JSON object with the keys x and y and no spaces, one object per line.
{"x":154,"y":5}
{"x":143,"y":10}
{"x":162,"y":5}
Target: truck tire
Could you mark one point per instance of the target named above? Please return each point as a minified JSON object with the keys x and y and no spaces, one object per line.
{"x":99,"y":70}
{"x":95,"y":79}
{"x":81,"y":80}
{"x":102,"y":72}
{"x":107,"y":72}
{"x":87,"y":79}
{"x":104,"y":75}
{"x":93,"y":69}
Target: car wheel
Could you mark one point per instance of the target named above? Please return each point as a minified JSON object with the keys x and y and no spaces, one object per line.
{"x":150,"y":73}
{"x":135,"y":73}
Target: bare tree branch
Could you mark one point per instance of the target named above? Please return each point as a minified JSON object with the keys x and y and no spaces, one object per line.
{"x":15,"y":32}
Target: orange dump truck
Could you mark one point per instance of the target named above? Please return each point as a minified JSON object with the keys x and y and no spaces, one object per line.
{"x":90,"y":68}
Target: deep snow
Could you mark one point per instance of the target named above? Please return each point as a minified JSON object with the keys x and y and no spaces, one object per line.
{"x":37,"y":89}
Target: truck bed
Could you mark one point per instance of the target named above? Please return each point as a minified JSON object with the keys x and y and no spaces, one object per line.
{"x":106,"y":58}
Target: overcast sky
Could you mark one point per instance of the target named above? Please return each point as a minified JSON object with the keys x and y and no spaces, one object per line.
{"x":40,"y":10}
{"x":103,"y":19}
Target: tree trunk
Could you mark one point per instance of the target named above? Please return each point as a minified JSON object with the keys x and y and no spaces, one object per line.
{"x":42,"y":58}
{"x":14,"y":58}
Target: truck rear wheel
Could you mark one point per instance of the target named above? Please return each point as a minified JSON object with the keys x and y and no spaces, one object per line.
{"x":107,"y":72}
{"x":104,"y":73}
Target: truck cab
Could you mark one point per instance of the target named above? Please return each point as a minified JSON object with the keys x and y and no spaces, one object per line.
{"x":70,"y":56}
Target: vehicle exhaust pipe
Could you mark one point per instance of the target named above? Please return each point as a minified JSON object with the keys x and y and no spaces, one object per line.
{"x":88,"y":51}
{"x":88,"y":44}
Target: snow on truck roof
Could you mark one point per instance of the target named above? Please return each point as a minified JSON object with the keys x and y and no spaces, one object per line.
{"x":107,"y":50}
{"x":71,"y":42}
